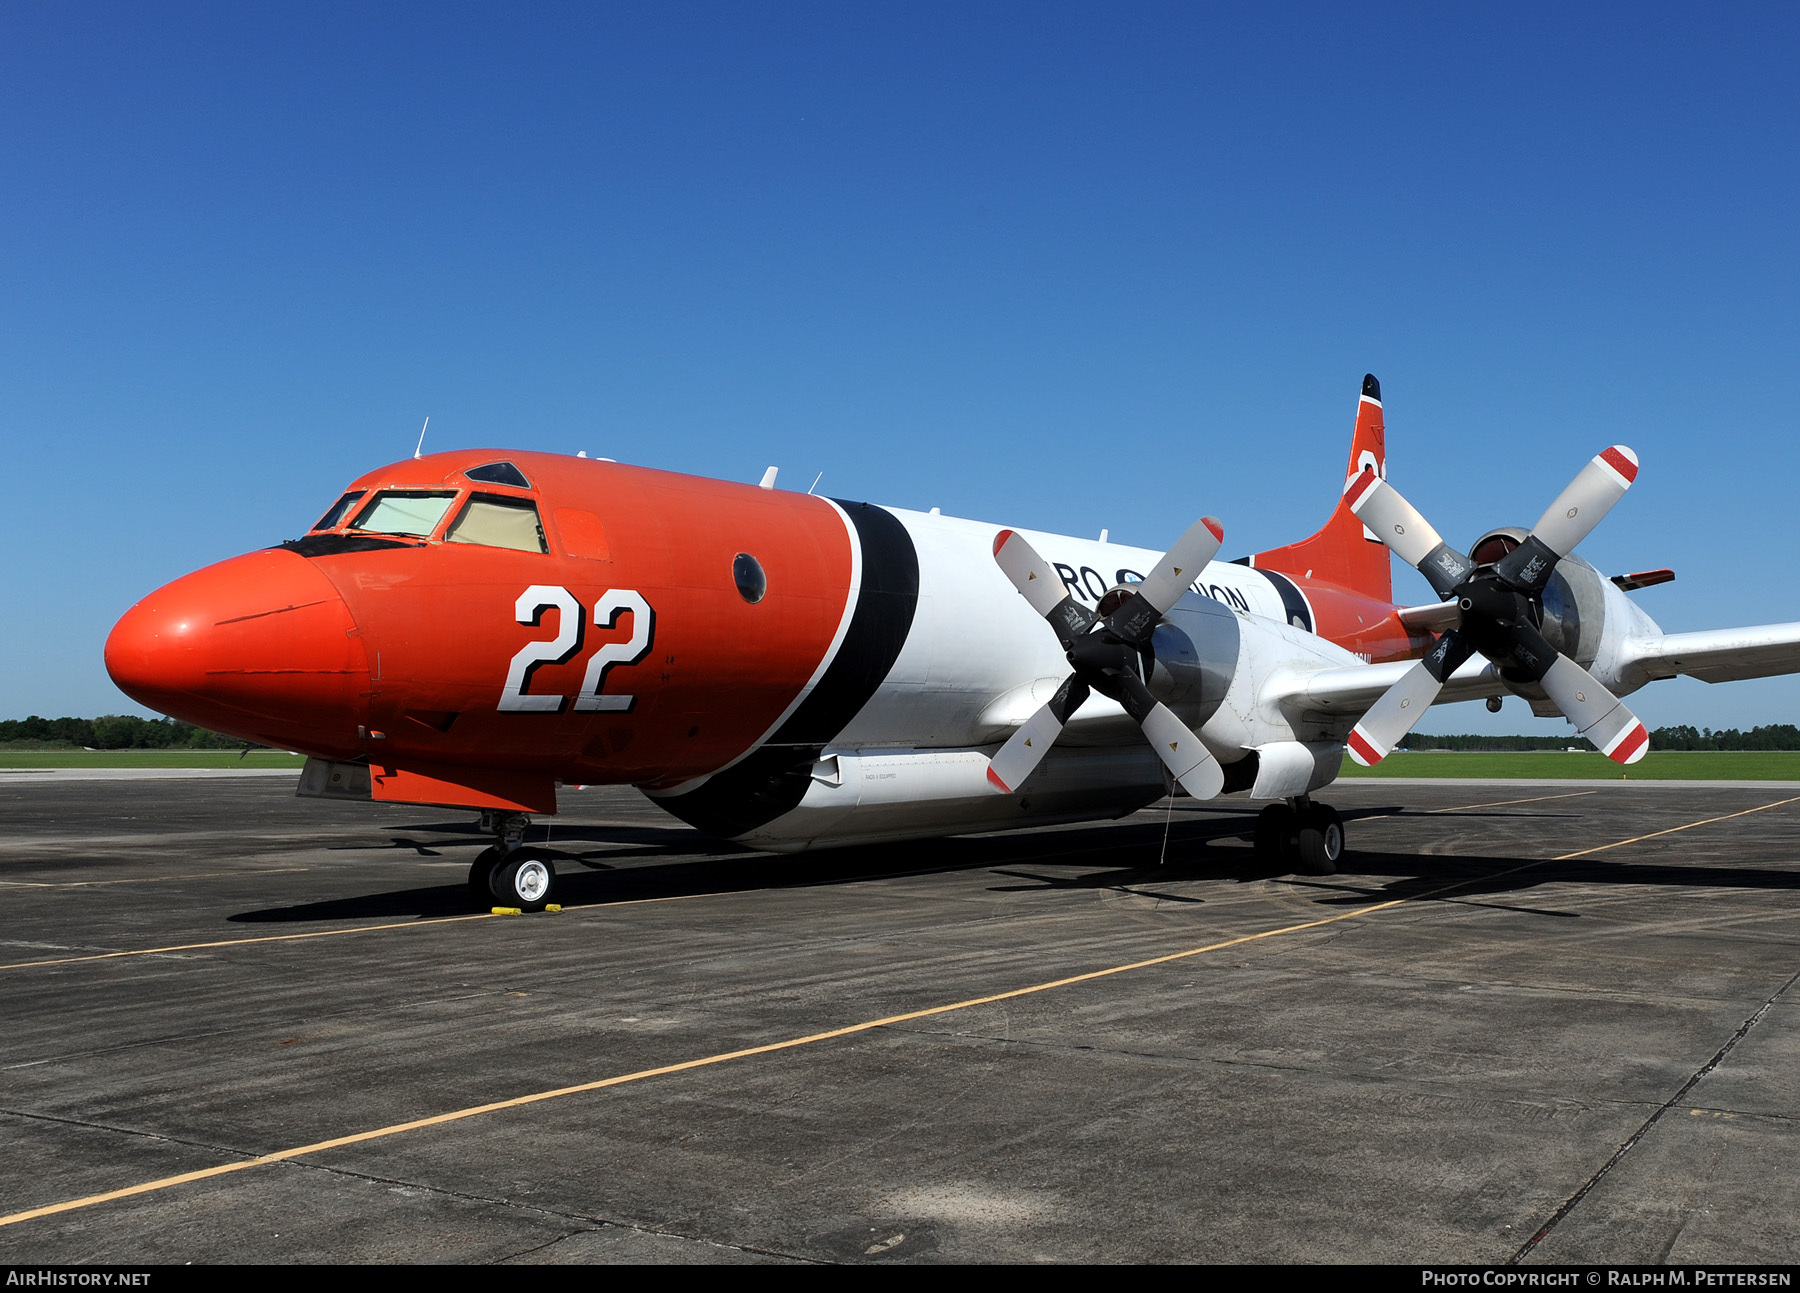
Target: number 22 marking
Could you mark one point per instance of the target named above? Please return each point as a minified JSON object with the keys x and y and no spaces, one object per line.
{"x":566,"y":645}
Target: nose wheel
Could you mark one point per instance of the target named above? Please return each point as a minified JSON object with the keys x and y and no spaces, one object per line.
{"x":509,"y":874}
{"x":481,"y":877}
{"x":525,"y":879}
{"x":1300,"y":836}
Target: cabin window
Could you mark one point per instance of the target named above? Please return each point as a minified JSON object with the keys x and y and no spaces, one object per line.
{"x":405,"y":511}
{"x":339,"y":510}
{"x":747,"y":572}
{"x":499,"y":473}
{"x":497,"y":522}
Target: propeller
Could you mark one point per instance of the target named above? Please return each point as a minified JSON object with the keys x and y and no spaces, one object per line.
{"x":1108,"y":654}
{"x":1500,"y":609}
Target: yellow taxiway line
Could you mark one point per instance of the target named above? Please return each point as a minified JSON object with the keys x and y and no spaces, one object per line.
{"x":148,"y":879}
{"x":333,"y":933}
{"x":240,"y":942}
{"x":1535,"y":799}
{"x":848,"y":1030}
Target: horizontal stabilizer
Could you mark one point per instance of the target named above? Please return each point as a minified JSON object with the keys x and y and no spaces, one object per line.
{"x":1643,"y":579}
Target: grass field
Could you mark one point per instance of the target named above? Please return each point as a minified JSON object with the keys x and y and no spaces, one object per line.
{"x":1548,"y":765}
{"x":1679,"y":765}
{"x":19,"y":760}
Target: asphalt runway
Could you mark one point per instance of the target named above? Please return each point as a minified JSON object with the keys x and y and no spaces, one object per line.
{"x":241,"y":1027}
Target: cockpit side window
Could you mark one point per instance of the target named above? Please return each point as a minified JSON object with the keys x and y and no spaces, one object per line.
{"x":499,"y":473}
{"x":405,"y":511}
{"x":495,"y":521}
{"x":339,"y":510}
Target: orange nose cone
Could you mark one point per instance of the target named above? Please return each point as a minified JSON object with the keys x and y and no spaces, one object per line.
{"x":261,"y":647}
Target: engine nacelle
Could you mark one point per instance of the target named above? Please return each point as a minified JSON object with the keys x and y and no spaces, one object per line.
{"x":1574,"y":601}
{"x":1194,"y":656}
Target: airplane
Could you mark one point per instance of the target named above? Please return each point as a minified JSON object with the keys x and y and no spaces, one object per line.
{"x":474,"y":629}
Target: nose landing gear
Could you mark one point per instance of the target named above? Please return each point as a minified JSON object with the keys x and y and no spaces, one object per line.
{"x":508,"y":874}
{"x":1301,"y":836}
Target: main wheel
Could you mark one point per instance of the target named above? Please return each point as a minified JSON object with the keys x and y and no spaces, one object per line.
{"x":526,"y":880}
{"x":1321,"y":840}
{"x":481,"y":877}
{"x":1275,"y":836}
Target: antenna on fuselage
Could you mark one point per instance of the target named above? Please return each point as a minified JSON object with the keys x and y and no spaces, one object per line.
{"x":815,"y":484}
{"x":768,"y":480}
{"x":419,"y":449}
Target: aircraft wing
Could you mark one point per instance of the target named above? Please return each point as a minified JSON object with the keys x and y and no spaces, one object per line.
{"x":1715,"y":655}
{"x":1352,"y":690}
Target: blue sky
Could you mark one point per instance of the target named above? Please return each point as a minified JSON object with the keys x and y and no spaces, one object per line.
{"x":1065,"y":266}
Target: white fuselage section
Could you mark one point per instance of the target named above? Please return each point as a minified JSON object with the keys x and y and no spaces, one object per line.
{"x":978,"y":661}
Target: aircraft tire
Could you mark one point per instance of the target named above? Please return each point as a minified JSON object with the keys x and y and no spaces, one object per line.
{"x":481,"y":877}
{"x":1320,"y":840}
{"x":526,"y":879}
{"x":1275,"y":836}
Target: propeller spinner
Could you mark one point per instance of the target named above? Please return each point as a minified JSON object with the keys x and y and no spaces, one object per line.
{"x":1500,"y":609}
{"x":1107,"y":654}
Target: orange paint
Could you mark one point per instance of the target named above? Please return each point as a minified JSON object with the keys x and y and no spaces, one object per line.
{"x":414,"y":641}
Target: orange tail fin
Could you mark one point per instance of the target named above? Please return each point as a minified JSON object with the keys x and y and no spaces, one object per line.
{"x":1343,"y":552}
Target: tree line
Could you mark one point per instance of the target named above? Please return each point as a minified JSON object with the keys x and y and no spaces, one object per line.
{"x":114,"y":732}
{"x":1776,"y":736}
{"x":129,"y":732}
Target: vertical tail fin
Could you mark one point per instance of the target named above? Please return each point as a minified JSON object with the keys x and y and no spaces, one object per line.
{"x":1343,"y":552}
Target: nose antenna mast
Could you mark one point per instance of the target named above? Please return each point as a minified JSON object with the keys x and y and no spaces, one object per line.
{"x":419,"y":449}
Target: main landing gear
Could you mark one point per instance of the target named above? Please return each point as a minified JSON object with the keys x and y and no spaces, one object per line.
{"x":509,"y":874}
{"x":1301,"y":836}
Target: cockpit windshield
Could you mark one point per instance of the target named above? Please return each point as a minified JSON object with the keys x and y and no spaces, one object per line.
{"x":339,"y":510}
{"x":405,"y":511}
{"x":495,"y":521}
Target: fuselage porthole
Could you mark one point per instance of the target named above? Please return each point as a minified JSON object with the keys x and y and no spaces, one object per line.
{"x":747,"y":572}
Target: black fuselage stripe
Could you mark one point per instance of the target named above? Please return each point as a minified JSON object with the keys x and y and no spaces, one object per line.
{"x":884,"y":616}
{"x":1292,"y":601}
{"x":772,"y":780}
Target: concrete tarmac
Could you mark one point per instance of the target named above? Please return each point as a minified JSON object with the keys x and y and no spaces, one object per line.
{"x":1562,"y":1010}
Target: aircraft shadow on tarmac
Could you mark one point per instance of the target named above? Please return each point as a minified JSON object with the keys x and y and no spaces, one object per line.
{"x":676,"y":861}
{"x":1131,"y":859}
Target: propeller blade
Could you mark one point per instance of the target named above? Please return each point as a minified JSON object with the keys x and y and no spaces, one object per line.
{"x":1587,"y":500}
{"x":1167,"y":581}
{"x":1570,"y":519}
{"x":1404,"y":704}
{"x":1038,"y":581}
{"x":1398,"y":524}
{"x":1596,"y":713}
{"x":1026,"y":748}
{"x":1183,"y":754}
